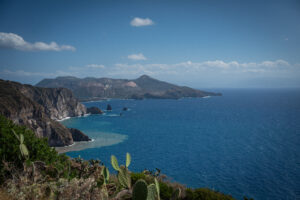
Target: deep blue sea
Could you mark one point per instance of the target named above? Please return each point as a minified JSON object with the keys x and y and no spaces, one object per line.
{"x":246,"y":142}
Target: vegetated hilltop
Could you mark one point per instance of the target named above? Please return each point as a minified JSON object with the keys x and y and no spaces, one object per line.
{"x":30,"y":169}
{"x":143,"y":87}
{"x":38,"y":108}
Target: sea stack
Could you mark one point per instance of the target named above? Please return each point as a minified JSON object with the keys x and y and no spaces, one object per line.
{"x":108,"y":107}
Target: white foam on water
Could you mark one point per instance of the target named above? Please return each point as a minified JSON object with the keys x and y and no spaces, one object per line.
{"x":63,"y":119}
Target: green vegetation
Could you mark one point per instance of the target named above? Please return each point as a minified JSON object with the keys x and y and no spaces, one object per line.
{"x":17,"y":144}
{"x":30,"y":169}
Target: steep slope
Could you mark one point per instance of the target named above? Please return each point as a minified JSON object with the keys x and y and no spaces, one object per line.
{"x":142,"y":87}
{"x":37,"y":108}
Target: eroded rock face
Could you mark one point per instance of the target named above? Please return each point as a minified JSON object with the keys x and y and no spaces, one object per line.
{"x":37,"y":108}
{"x":59,"y":103}
{"x":78,"y":135}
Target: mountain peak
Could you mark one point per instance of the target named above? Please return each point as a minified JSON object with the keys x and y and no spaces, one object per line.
{"x":66,"y":77}
{"x":144,"y":76}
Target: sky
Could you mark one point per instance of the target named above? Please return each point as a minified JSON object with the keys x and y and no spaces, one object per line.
{"x":202,"y":44}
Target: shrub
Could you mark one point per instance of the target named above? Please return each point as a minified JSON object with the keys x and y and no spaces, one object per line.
{"x":205,"y":194}
{"x":38,"y":148}
{"x":166,"y":191}
{"x":136,"y":176}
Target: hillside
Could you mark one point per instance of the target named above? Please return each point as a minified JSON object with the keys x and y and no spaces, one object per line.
{"x":143,"y":87}
{"x":39,"y":108}
{"x":42,"y":173}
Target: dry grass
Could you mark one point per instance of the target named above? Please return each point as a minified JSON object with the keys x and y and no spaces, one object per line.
{"x":4,"y":195}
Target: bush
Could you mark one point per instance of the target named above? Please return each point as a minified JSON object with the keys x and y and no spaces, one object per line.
{"x":166,"y":191}
{"x":136,"y":176}
{"x":38,"y":148}
{"x":205,"y":194}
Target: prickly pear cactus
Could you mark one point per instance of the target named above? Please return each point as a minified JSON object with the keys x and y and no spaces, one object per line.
{"x":105,"y":174}
{"x":24,"y":150}
{"x":140,"y":190}
{"x":114,"y":163}
{"x":151,"y":192}
{"x":128,"y":159}
{"x":124,"y":177}
{"x":157,"y":188}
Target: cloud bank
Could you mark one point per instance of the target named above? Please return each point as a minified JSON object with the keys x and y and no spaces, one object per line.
{"x":139,"y":56}
{"x":216,"y":73}
{"x":14,"y":41}
{"x":141,"y":22}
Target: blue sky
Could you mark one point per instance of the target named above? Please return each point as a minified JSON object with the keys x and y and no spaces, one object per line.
{"x":202,"y":44}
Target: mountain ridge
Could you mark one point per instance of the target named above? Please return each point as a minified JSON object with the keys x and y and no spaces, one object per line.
{"x":91,"y":88}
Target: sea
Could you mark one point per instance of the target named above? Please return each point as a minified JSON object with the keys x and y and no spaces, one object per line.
{"x":244,"y":143}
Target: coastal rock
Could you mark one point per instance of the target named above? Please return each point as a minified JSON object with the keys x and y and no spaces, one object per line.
{"x":58,"y":103}
{"x":94,"y":110}
{"x":78,"y":135}
{"x":36,"y":108}
{"x":88,"y":89}
{"x":125,"y":109}
{"x":109,"y":107}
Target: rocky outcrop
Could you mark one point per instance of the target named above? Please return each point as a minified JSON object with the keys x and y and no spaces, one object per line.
{"x":58,"y":103}
{"x":143,"y":87}
{"x":94,"y":110}
{"x":78,"y":135}
{"x":37,"y":109}
{"x":108,"y":107}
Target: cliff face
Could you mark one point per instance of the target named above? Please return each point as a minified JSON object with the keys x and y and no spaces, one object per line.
{"x":142,"y":87}
{"x":37,"y":108}
{"x":59,"y":103}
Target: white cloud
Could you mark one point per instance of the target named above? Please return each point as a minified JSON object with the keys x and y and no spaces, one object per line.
{"x":25,"y":73}
{"x":95,"y":66}
{"x":139,"y":56}
{"x":14,"y":41}
{"x":202,"y":72}
{"x":141,"y":22}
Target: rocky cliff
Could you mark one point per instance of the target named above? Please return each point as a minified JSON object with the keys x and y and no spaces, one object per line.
{"x":143,"y":87}
{"x":38,"y":108}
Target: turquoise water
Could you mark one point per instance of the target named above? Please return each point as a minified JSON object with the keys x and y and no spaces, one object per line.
{"x":246,"y":142}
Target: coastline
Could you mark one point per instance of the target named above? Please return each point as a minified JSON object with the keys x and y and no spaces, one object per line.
{"x":76,"y":146}
{"x":101,"y":139}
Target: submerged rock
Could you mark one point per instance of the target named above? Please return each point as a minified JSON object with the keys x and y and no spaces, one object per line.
{"x":125,"y":109}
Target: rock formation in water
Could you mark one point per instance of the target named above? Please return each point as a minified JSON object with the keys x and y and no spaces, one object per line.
{"x":94,"y":110}
{"x":109,"y":107}
{"x":38,"y":108}
{"x":78,"y":135}
{"x":102,"y":88}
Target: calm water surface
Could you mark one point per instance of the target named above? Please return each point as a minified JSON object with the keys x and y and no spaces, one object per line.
{"x":246,"y":142}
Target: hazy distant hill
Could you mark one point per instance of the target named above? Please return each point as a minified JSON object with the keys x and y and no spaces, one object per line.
{"x":143,"y":87}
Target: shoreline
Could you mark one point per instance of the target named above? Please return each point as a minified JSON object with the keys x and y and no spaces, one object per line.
{"x":112,"y":99}
{"x":68,"y":148}
{"x":65,"y":118}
